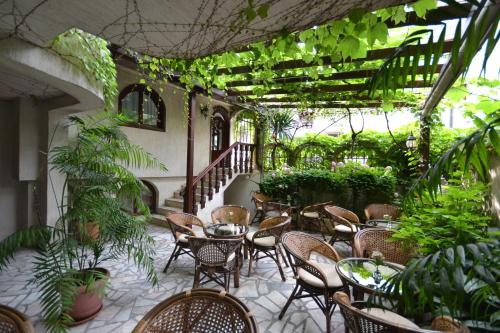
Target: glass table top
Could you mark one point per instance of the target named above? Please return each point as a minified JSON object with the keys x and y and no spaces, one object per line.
{"x":362,"y":272}
{"x":226,"y":230}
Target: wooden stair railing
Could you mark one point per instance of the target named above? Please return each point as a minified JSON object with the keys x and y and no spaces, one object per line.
{"x":237,"y":158}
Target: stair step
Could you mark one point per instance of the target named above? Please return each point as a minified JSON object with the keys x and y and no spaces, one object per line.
{"x":164,"y":210}
{"x":158,"y":219}
{"x":174,"y":202}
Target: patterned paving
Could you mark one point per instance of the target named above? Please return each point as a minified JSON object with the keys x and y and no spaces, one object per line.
{"x":131,"y":296}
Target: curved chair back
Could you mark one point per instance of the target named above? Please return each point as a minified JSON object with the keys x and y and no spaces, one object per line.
{"x":13,"y":321}
{"x":362,"y":322}
{"x":231,"y":214}
{"x":259,"y":198}
{"x":374,"y":239}
{"x":342,"y":216}
{"x":299,"y":247}
{"x":182,"y":223}
{"x":213,"y":251}
{"x":377,"y":211}
{"x":199,"y":310}
{"x":273,"y":226}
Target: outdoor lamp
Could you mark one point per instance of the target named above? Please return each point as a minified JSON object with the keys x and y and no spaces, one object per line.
{"x":411,"y":141}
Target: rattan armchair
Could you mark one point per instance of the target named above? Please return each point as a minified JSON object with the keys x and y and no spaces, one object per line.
{"x":274,"y":209}
{"x":199,"y":310}
{"x":360,"y":319}
{"x":13,"y":321}
{"x":213,"y":258}
{"x":314,"y":277}
{"x":314,"y":214}
{"x":375,"y":239}
{"x":267,"y":240}
{"x":376,"y":211}
{"x":231,"y":214}
{"x":259,"y":199}
{"x":181,"y":226}
{"x":345,"y":224}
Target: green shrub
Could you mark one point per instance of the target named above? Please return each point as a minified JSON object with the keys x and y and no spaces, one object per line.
{"x":352,"y":187}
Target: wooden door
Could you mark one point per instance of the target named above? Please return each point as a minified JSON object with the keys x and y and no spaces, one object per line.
{"x":219,"y":134}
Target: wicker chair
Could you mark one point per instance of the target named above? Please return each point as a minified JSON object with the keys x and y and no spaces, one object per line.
{"x":359,"y":319}
{"x":199,"y":310}
{"x":374,"y":239}
{"x":181,"y":227}
{"x":314,"y":278}
{"x":231,"y":214}
{"x":377,"y":211}
{"x":13,"y":321}
{"x":215,"y":257}
{"x":259,"y":199}
{"x":267,"y":240}
{"x":274,"y":209}
{"x":314,"y":215}
{"x":345,"y":224}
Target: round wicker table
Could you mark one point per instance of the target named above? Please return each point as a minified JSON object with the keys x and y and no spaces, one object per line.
{"x":377,"y":223}
{"x":358,"y":273}
{"x":225,"y":230}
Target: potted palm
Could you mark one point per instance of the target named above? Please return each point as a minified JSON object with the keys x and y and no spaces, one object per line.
{"x":93,"y":224}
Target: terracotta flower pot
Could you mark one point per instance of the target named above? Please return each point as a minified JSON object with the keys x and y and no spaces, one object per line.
{"x":90,"y":230}
{"x":88,"y":304}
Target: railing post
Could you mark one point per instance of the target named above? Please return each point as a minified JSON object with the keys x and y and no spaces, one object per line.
{"x":251,"y":157}
{"x":194,"y":206}
{"x":247,"y":157}
{"x":188,"y":196}
{"x":202,"y":198}
{"x":210,"y":187}
{"x":235,"y":159}
{"x":217,"y":182}
{"x":242,"y":151}
{"x":224,"y":171}
{"x":230,"y":166}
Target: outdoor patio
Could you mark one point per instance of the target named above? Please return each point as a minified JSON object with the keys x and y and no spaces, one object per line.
{"x":131,"y":296}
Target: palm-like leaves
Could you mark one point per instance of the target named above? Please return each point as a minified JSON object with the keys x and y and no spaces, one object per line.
{"x":97,"y":184}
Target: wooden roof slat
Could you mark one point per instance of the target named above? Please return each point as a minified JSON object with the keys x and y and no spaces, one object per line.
{"x":325,"y":89}
{"x":333,"y":105}
{"x":291,"y":99}
{"x":357,"y":74}
{"x":326,"y":60}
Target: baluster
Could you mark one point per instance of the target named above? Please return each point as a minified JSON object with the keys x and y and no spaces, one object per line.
{"x":210,"y":187}
{"x":202,"y":198}
{"x":242,"y":151}
{"x":224,"y":171}
{"x":195,"y":206}
{"x":236,"y":159}
{"x":246,"y":158}
{"x":230,"y":167}
{"x":251,"y":158}
{"x":217,"y":182}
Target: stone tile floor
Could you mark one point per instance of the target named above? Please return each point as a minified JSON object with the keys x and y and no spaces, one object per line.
{"x":130,"y":296}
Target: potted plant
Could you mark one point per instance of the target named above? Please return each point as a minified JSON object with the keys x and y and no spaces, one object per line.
{"x":93,"y":224}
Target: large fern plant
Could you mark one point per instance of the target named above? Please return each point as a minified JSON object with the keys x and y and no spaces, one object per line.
{"x":97,"y":186}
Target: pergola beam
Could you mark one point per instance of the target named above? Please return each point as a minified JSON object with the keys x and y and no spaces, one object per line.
{"x":371,"y":55}
{"x":357,"y":74}
{"x":334,"y":105}
{"x":323,"y":89}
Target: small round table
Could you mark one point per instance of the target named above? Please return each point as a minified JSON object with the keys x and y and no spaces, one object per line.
{"x":379,"y":223}
{"x":225,"y":230}
{"x":358,"y":273}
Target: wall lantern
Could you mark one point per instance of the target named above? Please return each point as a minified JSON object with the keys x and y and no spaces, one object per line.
{"x":411,"y":141}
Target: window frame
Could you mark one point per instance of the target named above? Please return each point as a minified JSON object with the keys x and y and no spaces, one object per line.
{"x":154,"y":96}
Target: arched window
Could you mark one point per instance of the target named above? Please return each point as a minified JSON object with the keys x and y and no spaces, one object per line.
{"x":143,"y":106}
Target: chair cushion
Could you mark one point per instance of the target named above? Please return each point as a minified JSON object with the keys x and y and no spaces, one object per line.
{"x":312,"y":215}
{"x":264,"y":241}
{"x":391,"y":317}
{"x":344,"y":228}
{"x":332,"y":278}
{"x":182,"y":238}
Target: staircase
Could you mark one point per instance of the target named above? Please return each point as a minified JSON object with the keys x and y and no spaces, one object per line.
{"x":210,"y":184}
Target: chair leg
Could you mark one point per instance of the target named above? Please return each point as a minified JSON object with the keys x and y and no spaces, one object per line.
{"x":276,"y":251}
{"x":290,"y":299}
{"x":196,"y":281}
{"x":283,"y":256}
{"x":328,"y":321}
{"x":250,"y":260}
{"x":333,"y":239}
{"x":170,"y":259}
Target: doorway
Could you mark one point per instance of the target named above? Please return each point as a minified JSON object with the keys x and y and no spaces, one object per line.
{"x":219,"y":133}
